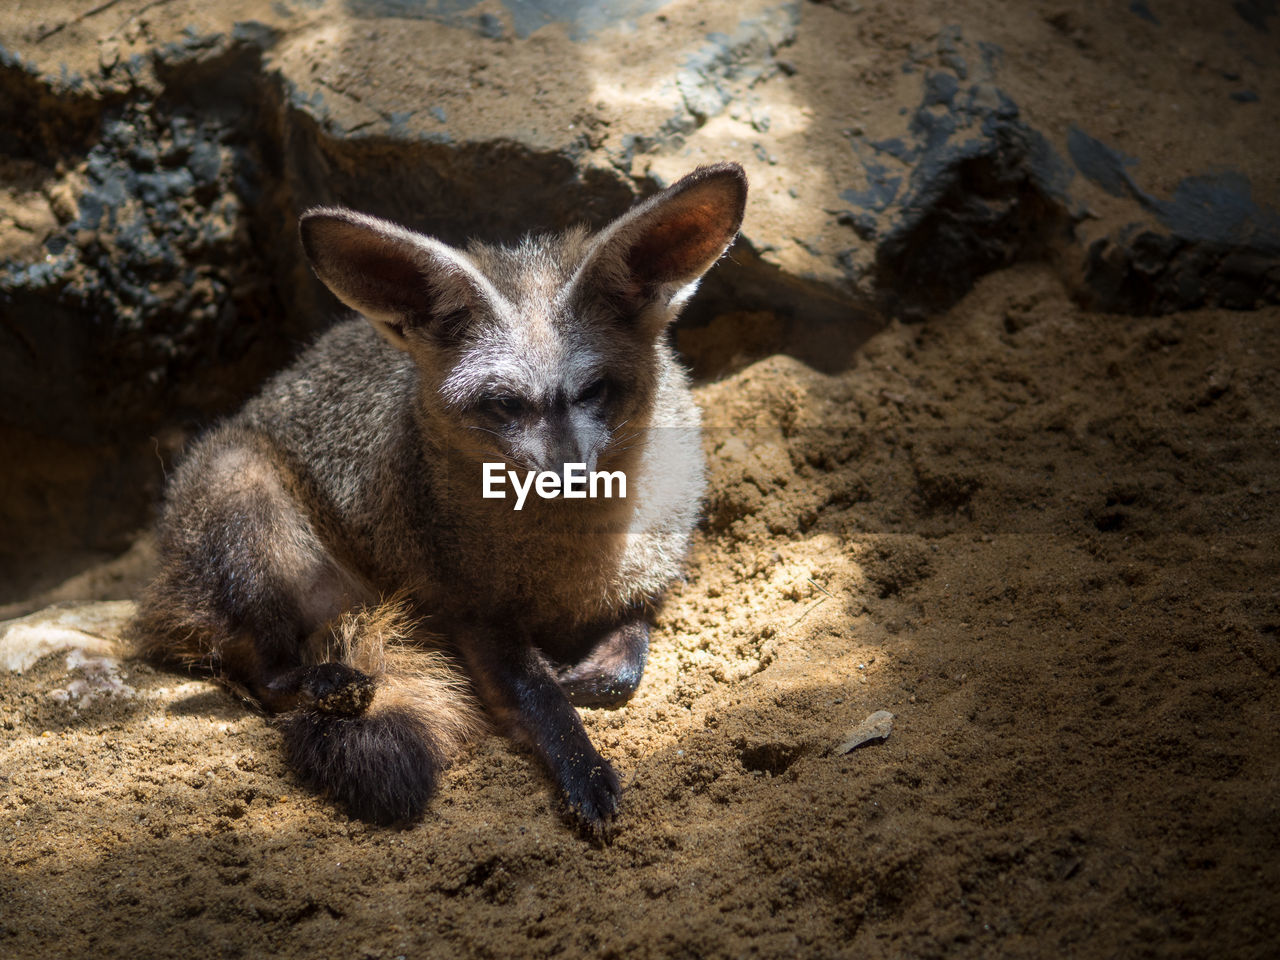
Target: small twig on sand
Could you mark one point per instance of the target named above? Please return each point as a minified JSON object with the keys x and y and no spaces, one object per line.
{"x":808,"y":610}
{"x":821,"y":587}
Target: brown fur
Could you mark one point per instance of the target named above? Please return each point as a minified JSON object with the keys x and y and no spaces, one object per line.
{"x":355,"y":476}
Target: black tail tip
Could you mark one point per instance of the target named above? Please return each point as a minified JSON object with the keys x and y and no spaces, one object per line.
{"x":381,"y":767}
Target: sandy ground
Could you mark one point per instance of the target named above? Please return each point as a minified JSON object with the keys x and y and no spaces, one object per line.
{"x":1044,"y":539}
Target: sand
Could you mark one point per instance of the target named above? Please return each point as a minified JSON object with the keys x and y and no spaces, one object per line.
{"x":1044,"y":539}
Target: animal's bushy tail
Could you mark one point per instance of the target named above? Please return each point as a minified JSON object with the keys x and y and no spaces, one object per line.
{"x":379,"y":748}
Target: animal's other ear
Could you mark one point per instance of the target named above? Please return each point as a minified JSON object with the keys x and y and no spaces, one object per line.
{"x":650,"y":259}
{"x":402,"y":281}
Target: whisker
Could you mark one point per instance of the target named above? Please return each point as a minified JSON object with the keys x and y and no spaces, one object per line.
{"x":621,"y":443}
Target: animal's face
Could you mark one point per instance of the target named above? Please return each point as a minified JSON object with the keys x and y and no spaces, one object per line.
{"x":544,"y":353}
{"x":541,"y":371}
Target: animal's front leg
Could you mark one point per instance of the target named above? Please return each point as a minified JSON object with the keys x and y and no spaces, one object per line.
{"x":518,"y":687}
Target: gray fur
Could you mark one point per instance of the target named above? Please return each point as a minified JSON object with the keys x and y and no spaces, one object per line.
{"x":354,"y":476}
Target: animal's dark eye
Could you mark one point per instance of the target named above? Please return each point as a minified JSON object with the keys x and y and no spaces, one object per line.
{"x":508,"y":406}
{"x":593,"y":392}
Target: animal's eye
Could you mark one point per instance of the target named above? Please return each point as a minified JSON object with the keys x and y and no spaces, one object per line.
{"x":593,"y":392}
{"x":508,"y":406}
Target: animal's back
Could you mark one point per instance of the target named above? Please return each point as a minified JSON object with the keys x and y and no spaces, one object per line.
{"x":342,"y":412}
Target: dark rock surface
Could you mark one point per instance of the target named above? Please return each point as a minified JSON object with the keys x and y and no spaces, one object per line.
{"x":1215,"y":245}
{"x":982,"y":191}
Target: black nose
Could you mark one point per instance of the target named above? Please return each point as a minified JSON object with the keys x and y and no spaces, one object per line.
{"x":557,"y":443}
{"x":564,"y":451}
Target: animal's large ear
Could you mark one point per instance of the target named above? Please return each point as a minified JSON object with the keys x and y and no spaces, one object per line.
{"x":650,"y":259}
{"x":401,"y":280}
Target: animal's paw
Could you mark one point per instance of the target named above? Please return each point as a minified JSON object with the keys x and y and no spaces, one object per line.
{"x":609,"y":675}
{"x":337,"y":689}
{"x":591,"y":799}
{"x":587,"y":685}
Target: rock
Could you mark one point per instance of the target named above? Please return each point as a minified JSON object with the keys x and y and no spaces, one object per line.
{"x":91,"y":628}
{"x":984,"y":190}
{"x":1215,"y":244}
{"x":92,"y":678}
{"x":876,"y":727}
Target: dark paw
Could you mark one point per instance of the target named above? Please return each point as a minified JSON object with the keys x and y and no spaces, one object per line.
{"x":338,"y":689}
{"x":589,"y":685}
{"x":591,"y":800}
{"x":609,"y":675}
